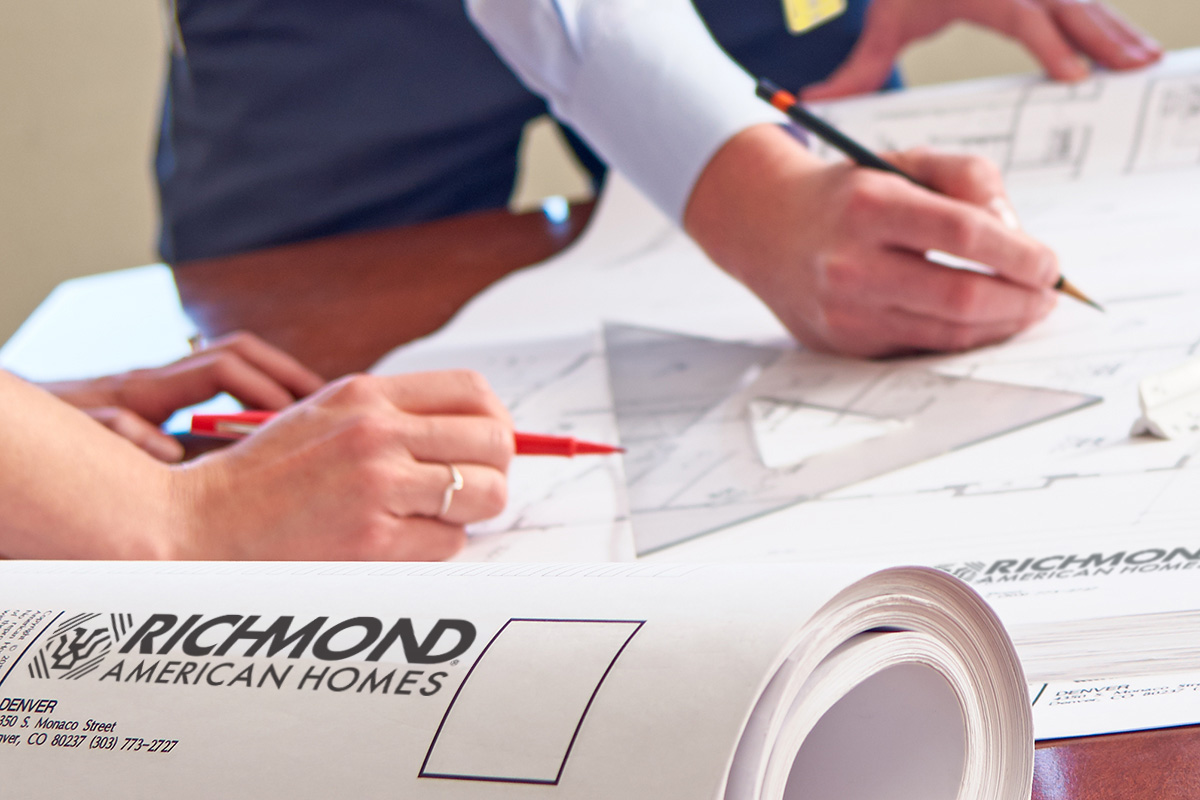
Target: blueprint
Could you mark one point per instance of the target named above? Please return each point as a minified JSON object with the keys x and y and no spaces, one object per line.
{"x":1035,"y":131}
{"x":1104,"y":171}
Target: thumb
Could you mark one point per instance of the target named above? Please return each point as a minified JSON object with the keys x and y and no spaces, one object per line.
{"x":867,"y":68}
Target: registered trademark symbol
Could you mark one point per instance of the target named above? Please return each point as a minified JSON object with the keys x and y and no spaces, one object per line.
{"x":454,"y":663}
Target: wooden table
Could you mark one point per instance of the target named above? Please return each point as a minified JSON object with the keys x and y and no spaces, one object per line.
{"x":339,"y":304}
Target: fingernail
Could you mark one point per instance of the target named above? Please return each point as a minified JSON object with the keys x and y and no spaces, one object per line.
{"x":1007,"y":214}
{"x":1142,"y":53}
{"x":1135,"y":53}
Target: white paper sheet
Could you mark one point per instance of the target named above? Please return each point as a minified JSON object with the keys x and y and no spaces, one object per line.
{"x":510,"y":681}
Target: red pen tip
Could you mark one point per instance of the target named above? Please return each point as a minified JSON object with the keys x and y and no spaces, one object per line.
{"x":540,"y":444}
{"x":593,"y":448}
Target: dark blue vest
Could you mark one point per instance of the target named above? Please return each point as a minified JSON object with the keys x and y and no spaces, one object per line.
{"x":294,"y":119}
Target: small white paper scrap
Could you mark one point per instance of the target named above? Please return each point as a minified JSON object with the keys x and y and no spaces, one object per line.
{"x":1170,"y":402}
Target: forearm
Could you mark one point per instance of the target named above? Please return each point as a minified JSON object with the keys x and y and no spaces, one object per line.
{"x":71,"y":489}
{"x":733,"y":216}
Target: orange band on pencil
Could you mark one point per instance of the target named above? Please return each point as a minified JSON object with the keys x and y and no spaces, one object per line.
{"x":783,"y":100}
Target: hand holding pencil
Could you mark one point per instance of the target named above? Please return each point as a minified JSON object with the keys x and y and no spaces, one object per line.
{"x":837,"y":252}
{"x":788,"y":104}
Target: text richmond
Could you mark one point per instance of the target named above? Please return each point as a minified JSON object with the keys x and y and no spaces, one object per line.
{"x":198,"y":636}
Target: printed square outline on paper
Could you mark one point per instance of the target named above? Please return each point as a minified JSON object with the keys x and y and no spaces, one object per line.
{"x":456,"y":743}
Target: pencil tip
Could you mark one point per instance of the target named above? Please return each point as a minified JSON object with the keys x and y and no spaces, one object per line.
{"x":1068,"y":288}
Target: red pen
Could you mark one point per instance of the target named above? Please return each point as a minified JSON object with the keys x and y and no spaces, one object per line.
{"x":539,"y":444}
{"x":235,"y":426}
{"x":229,"y":426}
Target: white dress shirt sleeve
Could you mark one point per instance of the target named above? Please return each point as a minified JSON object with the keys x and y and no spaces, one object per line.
{"x":642,"y":81}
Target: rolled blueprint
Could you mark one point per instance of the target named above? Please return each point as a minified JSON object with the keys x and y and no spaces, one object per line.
{"x":505,"y":681}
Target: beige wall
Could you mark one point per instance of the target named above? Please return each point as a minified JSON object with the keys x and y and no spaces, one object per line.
{"x":79,"y":93}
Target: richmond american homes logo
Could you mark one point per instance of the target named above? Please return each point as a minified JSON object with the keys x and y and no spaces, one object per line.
{"x":1076,"y":565}
{"x":356,"y":654}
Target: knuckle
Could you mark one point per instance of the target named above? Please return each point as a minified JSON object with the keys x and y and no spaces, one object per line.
{"x":868,"y":195}
{"x":356,"y":389}
{"x":364,"y":436}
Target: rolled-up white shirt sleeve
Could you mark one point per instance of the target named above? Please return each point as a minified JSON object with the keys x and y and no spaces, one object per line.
{"x":642,"y":81}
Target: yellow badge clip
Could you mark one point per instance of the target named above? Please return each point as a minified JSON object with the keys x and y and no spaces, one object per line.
{"x":804,"y":15}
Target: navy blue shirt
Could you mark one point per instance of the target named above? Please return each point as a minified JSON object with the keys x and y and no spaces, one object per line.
{"x":292,"y":119}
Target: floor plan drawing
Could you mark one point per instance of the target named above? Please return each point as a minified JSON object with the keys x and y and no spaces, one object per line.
{"x":1169,"y":134}
{"x":1036,"y":131}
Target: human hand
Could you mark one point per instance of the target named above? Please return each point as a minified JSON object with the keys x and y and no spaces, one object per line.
{"x":357,"y":471}
{"x":133,"y":404}
{"x":837,"y":251}
{"x":1058,"y":33}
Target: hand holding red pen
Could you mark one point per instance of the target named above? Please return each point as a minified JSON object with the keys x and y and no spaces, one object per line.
{"x":366,"y":468}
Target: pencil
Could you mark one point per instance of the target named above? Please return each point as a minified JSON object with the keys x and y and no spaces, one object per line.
{"x":787,"y":103}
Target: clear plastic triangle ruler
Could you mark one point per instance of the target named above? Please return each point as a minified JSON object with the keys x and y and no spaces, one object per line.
{"x":702,"y":421}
